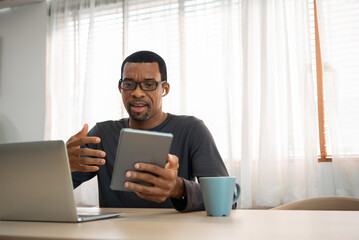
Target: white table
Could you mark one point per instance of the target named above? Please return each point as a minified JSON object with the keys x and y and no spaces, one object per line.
{"x":169,"y":224}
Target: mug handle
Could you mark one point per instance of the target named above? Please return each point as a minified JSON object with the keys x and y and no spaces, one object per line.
{"x":238,"y":190}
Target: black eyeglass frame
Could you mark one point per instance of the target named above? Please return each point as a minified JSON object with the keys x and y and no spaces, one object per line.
{"x":140,"y":83}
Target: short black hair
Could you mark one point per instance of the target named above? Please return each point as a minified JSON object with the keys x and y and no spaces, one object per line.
{"x":147,"y":57}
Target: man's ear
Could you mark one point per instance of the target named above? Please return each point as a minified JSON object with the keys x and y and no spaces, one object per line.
{"x":166,"y":89}
{"x":119,"y":88}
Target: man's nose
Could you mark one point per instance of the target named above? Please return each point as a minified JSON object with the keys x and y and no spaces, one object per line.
{"x":138,"y":92}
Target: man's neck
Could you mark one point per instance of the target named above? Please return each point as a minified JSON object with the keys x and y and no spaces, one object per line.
{"x":148,"y":124}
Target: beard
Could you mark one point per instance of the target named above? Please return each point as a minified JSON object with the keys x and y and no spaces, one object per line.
{"x":139,"y":117}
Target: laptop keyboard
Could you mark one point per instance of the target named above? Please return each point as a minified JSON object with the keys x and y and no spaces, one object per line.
{"x":89,"y":215}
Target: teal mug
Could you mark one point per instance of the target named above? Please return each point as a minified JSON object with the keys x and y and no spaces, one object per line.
{"x":219,"y":194}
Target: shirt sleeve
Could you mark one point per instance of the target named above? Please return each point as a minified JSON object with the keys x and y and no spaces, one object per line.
{"x":192,"y":201}
{"x":205,"y":162}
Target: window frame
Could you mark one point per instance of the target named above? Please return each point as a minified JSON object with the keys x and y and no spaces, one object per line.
{"x":320,"y":92}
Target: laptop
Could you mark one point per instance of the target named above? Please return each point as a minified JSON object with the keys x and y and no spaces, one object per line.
{"x":36,"y":184}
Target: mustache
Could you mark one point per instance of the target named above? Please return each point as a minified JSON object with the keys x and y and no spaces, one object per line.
{"x":133,"y":102}
{"x":137,"y":101}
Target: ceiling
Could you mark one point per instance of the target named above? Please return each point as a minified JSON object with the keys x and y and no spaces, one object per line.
{"x":14,"y":3}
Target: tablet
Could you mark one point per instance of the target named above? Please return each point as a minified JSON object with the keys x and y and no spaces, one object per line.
{"x":138,"y":146}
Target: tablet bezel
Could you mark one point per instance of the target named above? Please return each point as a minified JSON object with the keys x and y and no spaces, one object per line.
{"x":138,"y":146}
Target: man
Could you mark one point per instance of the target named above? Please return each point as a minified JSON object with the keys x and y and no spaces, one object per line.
{"x":193,"y":152}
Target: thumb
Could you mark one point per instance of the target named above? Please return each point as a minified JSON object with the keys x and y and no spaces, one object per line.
{"x":172,"y":162}
{"x":81,"y":133}
{"x":84,"y":130}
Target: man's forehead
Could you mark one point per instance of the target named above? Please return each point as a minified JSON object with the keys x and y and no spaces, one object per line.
{"x":145,"y":68}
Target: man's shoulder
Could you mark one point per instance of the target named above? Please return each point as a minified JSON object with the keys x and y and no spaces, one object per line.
{"x":185,"y":118}
{"x":184,"y":122}
{"x":111,"y":125}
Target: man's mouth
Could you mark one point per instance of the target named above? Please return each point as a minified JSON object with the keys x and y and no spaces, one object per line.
{"x":138,"y":106}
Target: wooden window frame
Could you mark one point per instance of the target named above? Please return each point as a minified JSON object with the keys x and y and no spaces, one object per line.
{"x":320,"y":93}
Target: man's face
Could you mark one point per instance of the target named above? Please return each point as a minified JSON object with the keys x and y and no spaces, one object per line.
{"x":143,"y":105}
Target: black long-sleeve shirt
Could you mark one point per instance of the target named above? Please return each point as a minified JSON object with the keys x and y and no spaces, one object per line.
{"x":192,"y":143}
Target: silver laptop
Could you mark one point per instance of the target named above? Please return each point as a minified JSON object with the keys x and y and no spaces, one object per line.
{"x":36,"y":184}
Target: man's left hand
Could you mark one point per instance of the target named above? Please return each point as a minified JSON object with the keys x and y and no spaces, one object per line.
{"x":165,"y":180}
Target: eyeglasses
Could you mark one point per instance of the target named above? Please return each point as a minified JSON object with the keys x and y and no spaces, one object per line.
{"x":145,"y":85}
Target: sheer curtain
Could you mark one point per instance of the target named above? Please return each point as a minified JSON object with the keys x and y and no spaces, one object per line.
{"x":85,"y":50}
{"x":85,"y":46}
{"x":243,"y":67}
{"x":279,"y":155}
{"x":339,"y":31}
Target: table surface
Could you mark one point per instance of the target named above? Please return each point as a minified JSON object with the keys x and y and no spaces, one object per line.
{"x":168,"y":224}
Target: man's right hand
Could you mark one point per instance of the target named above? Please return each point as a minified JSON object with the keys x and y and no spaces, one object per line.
{"x":81,"y":158}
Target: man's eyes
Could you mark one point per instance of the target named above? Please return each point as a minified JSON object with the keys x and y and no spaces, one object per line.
{"x":128,"y":84}
{"x":149,"y":84}
{"x":146,"y":85}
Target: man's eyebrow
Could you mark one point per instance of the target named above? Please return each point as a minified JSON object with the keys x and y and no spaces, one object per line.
{"x":150,"y":79}
{"x":146,"y":79}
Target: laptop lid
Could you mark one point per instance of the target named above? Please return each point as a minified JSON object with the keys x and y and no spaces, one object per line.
{"x":36,"y":184}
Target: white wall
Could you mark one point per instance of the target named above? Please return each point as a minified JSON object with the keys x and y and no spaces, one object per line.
{"x":22,"y":73}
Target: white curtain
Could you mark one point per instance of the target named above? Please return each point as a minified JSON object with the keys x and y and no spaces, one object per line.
{"x":199,"y":41}
{"x":279,"y":143}
{"x":242,"y":66}
{"x":85,"y":50}
{"x":339,"y":31}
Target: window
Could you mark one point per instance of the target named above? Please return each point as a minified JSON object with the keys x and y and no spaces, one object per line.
{"x":243,"y":67}
{"x":336,"y":25}
{"x":92,"y":42}
{"x":318,"y":80}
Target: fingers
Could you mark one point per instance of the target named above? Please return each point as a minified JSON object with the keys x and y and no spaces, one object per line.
{"x":83,"y":168}
{"x":83,"y":164}
{"x":88,"y":160}
{"x":83,"y":140}
{"x":147,"y":177}
{"x":154,"y":198}
{"x":80,"y":158}
{"x":151,"y":168}
{"x":143,"y":189}
{"x":154,"y":174}
{"x":164,"y":181}
{"x":86,"y":152}
{"x":150,"y":193}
